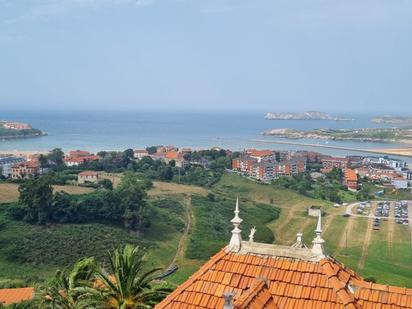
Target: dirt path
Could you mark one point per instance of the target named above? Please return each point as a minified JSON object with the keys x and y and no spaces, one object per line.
{"x":346,"y":234}
{"x":187,"y":203}
{"x":327,"y":221}
{"x":285,"y":221}
{"x":367,"y":239}
{"x":391,"y":230}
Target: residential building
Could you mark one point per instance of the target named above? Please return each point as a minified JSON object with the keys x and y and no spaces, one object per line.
{"x":78,"y":157}
{"x":140,"y":153}
{"x":248,"y":274}
{"x":260,"y":155}
{"x":175,"y":156}
{"x":328,"y":163}
{"x":6,"y":164}
{"x":87,"y":177}
{"x":351,"y":179}
{"x":25,"y":170}
{"x":400,"y":183}
{"x":263,"y":165}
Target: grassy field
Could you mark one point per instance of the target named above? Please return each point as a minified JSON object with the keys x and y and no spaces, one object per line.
{"x":187,"y":235}
{"x":384,"y":255}
{"x":9,"y":191}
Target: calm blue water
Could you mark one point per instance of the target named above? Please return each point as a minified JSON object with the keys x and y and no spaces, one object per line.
{"x":120,"y":130}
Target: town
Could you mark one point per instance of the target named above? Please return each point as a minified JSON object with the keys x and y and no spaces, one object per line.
{"x":261,"y":165}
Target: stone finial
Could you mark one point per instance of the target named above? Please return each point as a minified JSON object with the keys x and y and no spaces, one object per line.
{"x":318,"y":242}
{"x":252,"y":234}
{"x":299,"y":242}
{"x":236,"y":239}
{"x":228,"y":300}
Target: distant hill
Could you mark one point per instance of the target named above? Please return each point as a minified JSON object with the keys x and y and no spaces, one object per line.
{"x":393,"y":119}
{"x":11,"y":130}
{"x":308,"y":115}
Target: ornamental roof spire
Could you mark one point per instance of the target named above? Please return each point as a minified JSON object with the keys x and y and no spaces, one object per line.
{"x":318,"y":242}
{"x":236,"y":239}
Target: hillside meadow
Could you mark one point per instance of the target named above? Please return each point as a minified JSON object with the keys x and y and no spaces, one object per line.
{"x":189,"y":224}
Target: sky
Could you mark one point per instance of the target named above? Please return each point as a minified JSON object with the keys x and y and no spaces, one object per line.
{"x":235,"y":55}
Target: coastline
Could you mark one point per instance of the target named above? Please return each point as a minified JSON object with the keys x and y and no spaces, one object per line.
{"x":402,"y":152}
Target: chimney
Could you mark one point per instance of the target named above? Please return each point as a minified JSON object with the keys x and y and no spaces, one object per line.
{"x":228,"y":300}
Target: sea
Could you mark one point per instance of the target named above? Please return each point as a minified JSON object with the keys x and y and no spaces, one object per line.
{"x":119,"y":130}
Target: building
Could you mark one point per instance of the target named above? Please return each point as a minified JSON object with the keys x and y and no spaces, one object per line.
{"x":248,"y":274}
{"x":6,"y":163}
{"x":351,"y":179}
{"x":314,"y":211}
{"x":14,"y":296}
{"x":400,"y":183}
{"x":25,"y":170}
{"x":175,"y":156}
{"x":140,"y":153}
{"x":262,"y":165}
{"x":87,"y":177}
{"x":329,"y":163}
{"x":78,"y":157}
{"x":260,"y":155}
{"x":16,"y":125}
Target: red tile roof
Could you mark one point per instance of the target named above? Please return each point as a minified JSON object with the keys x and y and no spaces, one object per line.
{"x":350,"y":175}
{"x":259,"y":153}
{"x":88,"y":173}
{"x":11,"y":296}
{"x":292,"y":283}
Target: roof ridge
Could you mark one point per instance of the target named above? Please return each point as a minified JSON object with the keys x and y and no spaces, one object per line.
{"x":257,"y":286}
{"x":212,"y":261}
{"x":346,"y":297}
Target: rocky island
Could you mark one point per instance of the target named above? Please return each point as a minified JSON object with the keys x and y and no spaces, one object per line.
{"x":308,"y":115}
{"x":400,"y":135}
{"x":14,"y":130}
{"x":401,"y":120}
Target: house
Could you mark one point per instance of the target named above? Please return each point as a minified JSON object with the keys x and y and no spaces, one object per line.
{"x":140,"y":153}
{"x":175,"y":156}
{"x":329,"y":163}
{"x":400,"y":183}
{"x":247,"y":274}
{"x":87,"y":177}
{"x":78,"y":157}
{"x":25,"y":170}
{"x":14,"y":296}
{"x":351,"y":179}
{"x":314,"y":211}
{"x":7,"y":162}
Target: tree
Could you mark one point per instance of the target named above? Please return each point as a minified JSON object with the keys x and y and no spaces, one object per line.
{"x":106,"y":184}
{"x":125,"y":285}
{"x":132,"y":200}
{"x":36,"y":196}
{"x":151,"y":149}
{"x":71,"y":288}
{"x":56,"y":156}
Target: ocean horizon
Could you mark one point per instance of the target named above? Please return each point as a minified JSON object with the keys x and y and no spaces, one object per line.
{"x":117,"y":130}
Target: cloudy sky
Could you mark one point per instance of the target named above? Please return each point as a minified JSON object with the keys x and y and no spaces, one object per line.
{"x":334,"y":55}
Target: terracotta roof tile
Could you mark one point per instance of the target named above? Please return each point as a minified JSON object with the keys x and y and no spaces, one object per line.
{"x":11,"y":296}
{"x":283,"y":283}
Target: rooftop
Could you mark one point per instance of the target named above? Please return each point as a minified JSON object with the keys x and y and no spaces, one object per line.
{"x":11,"y":296}
{"x":247,"y":274}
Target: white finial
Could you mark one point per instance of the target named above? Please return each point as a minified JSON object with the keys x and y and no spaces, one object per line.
{"x":299,"y":243}
{"x":235,"y":241}
{"x":252,"y":234}
{"x":319,"y":225}
{"x":318,"y":242}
